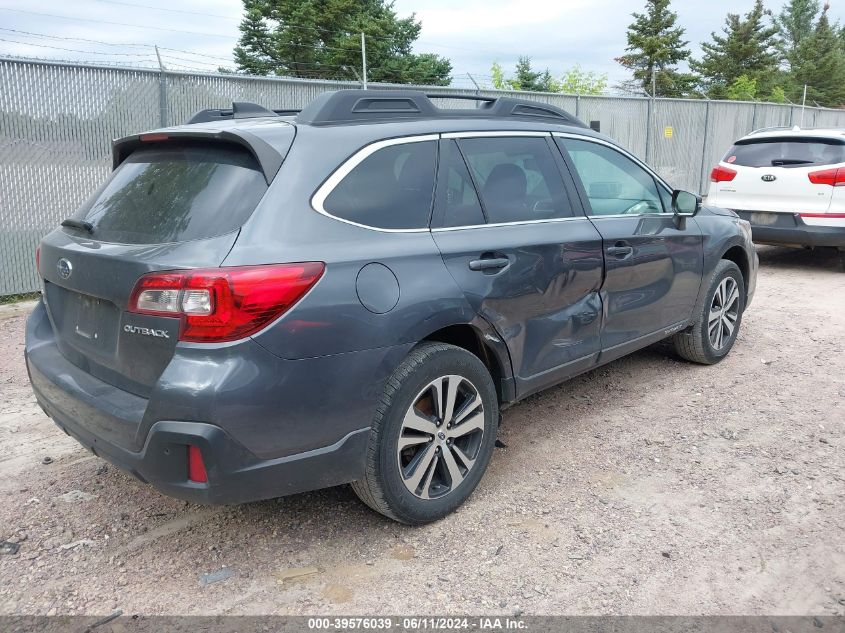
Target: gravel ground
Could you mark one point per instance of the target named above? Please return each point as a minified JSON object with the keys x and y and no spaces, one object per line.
{"x":649,"y":486}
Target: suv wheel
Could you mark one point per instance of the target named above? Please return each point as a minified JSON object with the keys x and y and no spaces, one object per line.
{"x":432,"y":435}
{"x":715,"y":329}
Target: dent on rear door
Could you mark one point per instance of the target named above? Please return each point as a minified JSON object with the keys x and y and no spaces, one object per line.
{"x":546,"y":304}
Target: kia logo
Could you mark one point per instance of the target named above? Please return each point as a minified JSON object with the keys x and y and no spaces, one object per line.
{"x":769,"y":178}
{"x":64,"y":267}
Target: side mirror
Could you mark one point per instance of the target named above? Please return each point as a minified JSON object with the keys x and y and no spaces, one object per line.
{"x":685,"y":204}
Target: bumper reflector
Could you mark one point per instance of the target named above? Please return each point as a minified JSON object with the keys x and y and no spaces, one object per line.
{"x":196,"y":467}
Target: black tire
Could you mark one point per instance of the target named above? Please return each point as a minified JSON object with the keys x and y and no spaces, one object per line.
{"x":694,"y":344}
{"x":383,"y":486}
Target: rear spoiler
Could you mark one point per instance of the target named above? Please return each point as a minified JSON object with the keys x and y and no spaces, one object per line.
{"x":269,"y":157}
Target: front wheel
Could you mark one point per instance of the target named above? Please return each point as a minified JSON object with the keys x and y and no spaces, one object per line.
{"x":715,"y":328}
{"x":432,"y":435}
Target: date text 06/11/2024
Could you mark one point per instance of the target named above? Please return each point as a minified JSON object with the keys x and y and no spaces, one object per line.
{"x":417,"y":623}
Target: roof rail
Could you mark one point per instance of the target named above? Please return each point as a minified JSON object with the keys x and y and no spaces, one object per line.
{"x":239,"y":110}
{"x":357,"y":106}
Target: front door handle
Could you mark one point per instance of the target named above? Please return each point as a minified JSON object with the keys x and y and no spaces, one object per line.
{"x":620,"y":251}
{"x":489,"y":263}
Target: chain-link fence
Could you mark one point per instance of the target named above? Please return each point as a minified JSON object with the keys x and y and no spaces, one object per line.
{"x":57,"y":121}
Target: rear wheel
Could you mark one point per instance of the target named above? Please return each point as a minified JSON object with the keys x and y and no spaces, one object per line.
{"x":715,"y":329}
{"x":432,"y":435}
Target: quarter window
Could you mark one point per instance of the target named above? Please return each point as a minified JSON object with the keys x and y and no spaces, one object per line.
{"x":459,"y":201}
{"x":615,"y":184}
{"x":390,"y":189}
{"x":517,"y":178}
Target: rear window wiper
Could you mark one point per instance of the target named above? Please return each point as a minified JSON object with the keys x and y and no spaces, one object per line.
{"x":78,"y":224}
{"x":777,"y":162}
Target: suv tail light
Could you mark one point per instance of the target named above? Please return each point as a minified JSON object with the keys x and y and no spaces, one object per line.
{"x":832,"y":177}
{"x":722,"y":174}
{"x":224,"y":304}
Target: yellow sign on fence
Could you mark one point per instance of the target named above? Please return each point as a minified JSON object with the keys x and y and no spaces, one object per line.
{"x":668,"y":131}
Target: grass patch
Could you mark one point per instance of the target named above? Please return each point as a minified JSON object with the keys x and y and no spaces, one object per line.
{"x":26,"y":296}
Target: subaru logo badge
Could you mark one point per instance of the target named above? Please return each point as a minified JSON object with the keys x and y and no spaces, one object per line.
{"x":64,"y":267}
{"x":769,"y":178}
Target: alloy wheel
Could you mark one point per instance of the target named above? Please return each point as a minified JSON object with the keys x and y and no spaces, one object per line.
{"x":724,"y":312}
{"x":440,"y":437}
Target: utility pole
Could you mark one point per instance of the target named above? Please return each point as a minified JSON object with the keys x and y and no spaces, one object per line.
{"x":363,"y":61}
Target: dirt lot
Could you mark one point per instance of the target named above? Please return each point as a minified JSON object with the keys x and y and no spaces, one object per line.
{"x":650,"y":486}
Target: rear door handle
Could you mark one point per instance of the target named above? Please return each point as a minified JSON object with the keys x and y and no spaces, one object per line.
{"x":489,"y":263}
{"x":620,"y":251}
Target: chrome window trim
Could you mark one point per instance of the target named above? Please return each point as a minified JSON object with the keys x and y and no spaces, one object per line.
{"x":494,"y":133}
{"x":629,"y":155}
{"x":631,"y":215}
{"x":319,"y":198}
{"x":517,"y":223}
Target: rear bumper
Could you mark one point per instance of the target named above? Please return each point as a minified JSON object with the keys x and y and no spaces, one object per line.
{"x":790,"y":229}
{"x":235,"y":475}
{"x":304,"y":448}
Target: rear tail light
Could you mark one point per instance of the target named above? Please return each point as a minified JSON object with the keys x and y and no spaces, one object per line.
{"x":832,"y":177}
{"x":196,"y":467}
{"x":224,"y":304}
{"x":722,"y":174}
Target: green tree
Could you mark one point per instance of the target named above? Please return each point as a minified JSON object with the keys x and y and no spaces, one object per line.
{"x":796,"y":22}
{"x":322,"y":39}
{"x":577,"y":81}
{"x":747,"y":47}
{"x":498,"y":75}
{"x":655,"y":48}
{"x":743,"y":88}
{"x":526,"y":78}
{"x":822,"y":66}
{"x":573,"y":81}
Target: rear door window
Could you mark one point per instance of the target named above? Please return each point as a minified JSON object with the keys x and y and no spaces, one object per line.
{"x":392,"y":188}
{"x":517,"y":178}
{"x":176,"y":194}
{"x":786,"y":152}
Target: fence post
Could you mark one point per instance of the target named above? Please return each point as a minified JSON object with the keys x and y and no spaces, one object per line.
{"x":754,"y":118}
{"x":704,"y":138}
{"x":162,"y":98}
{"x":648,"y":132}
{"x":162,"y":91}
{"x":578,"y":106}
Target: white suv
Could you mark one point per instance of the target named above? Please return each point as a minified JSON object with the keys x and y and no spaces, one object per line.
{"x":789,"y":183}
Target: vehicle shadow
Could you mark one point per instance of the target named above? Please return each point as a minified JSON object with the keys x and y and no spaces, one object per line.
{"x":804,"y":259}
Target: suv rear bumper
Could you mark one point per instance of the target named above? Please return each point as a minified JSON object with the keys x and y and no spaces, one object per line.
{"x":87,"y":409}
{"x":235,"y":475}
{"x":790,"y":229}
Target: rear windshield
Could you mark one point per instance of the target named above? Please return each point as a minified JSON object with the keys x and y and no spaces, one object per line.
{"x":786,"y":152}
{"x":176,"y":194}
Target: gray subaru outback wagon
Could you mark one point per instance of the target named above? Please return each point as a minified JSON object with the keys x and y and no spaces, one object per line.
{"x":259,"y":303}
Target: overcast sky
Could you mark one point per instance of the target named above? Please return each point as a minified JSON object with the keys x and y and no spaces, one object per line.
{"x":472,"y":33}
